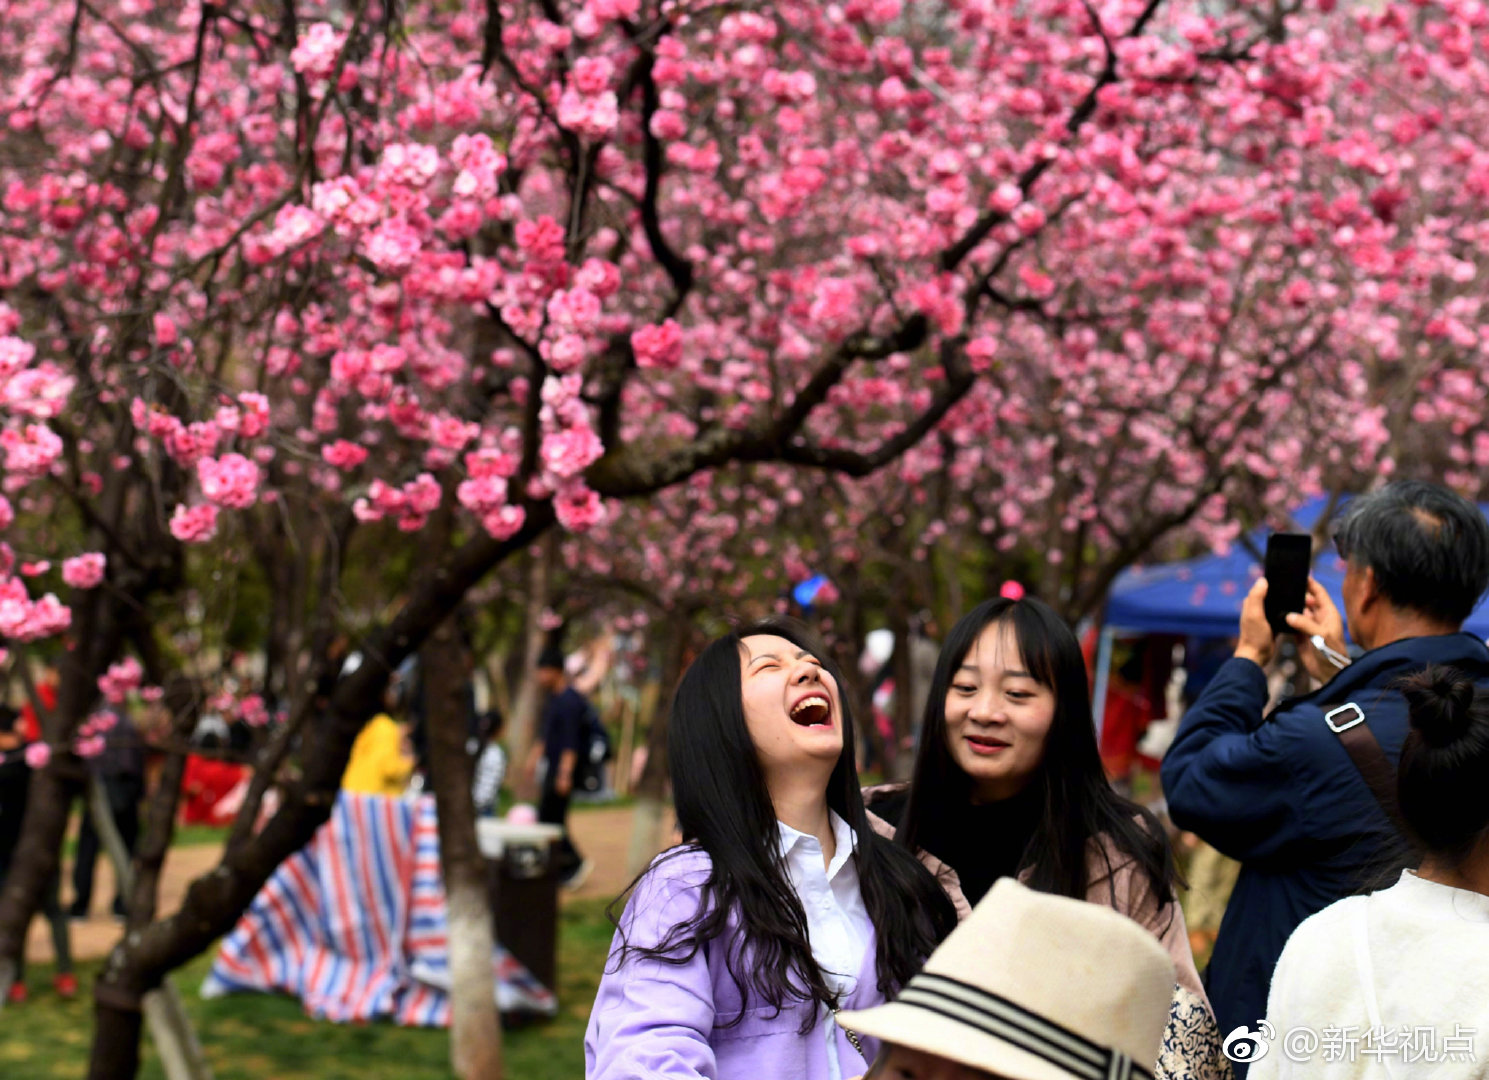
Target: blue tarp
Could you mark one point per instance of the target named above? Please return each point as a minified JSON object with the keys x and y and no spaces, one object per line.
{"x":1202,"y":597}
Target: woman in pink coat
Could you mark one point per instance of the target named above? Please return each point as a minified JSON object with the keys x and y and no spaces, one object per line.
{"x":1008,"y":782}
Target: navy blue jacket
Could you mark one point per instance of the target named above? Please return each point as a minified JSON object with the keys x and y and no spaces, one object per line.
{"x":1282,"y":795}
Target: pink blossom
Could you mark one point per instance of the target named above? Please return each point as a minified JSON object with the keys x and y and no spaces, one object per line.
{"x":658,"y":346}
{"x":408,"y":164}
{"x":231,"y":480}
{"x":7,"y":513}
{"x":593,"y":116}
{"x":491,"y":462}
{"x":315,"y":54}
{"x":15,"y":355}
{"x":35,"y":569}
{"x":253,"y":711}
{"x":566,"y":354}
{"x":195,"y":524}
{"x":598,"y":276}
{"x":569,"y":452}
{"x":165,"y":330}
{"x":575,"y":311}
{"x":592,"y":74}
{"x":392,"y":246}
{"x":503,"y":522}
{"x":30,"y":452}
{"x":578,"y":508}
{"x":482,"y":494}
{"x":611,"y":10}
{"x":88,"y":746}
{"x":1011,"y":590}
{"x":84,"y":571}
{"x":37,"y":755}
{"x":120,"y":678}
{"x":189,"y":444}
{"x":344,"y":455}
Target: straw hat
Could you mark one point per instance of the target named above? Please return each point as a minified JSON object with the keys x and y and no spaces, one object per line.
{"x":1036,"y":987}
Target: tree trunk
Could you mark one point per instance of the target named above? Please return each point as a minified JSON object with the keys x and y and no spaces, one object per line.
{"x":97,"y":629}
{"x":475,"y":1028}
{"x":651,"y":788}
{"x":181,"y":1056}
{"x":897,"y":761}
{"x":522,"y":724}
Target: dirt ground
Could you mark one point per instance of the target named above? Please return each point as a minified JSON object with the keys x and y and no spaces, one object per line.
{"x":602,"y":834}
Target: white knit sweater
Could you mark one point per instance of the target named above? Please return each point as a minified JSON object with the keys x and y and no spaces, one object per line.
{"x":1427,"y":950}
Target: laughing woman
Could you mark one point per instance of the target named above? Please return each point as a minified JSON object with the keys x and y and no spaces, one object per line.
{"x":1008,"y":783}
{"x":782,"y":905}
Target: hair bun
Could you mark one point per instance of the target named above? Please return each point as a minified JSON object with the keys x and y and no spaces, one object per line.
{"x":1440,"y":699}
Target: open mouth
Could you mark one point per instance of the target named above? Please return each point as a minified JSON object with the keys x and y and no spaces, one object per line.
{"x":986,"y":744}
{"x":812,"y":711}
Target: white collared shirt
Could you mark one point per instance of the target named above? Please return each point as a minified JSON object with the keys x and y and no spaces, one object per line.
{"x":838,"y":924}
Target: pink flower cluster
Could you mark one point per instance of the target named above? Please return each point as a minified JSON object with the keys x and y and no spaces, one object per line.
{"x":344,"y":455}
{"x":252,"y":711}
{"x":84,"y":571}
{"x":194,"y":524}
{"x":231,"y":481}
{"x":37,"y":755}
{"x":412,"y":503}
{"x":30,"y":452}
{"x":568,"y":452}
{"x":579,"y":508}
{"x":120,"y":679}
{"x":23,"y":619}
{"x":315,"y":54}
{"x":658,"y":346}
{"x":588,"y":105}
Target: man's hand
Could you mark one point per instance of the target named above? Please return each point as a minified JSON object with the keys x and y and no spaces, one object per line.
{"x":563,"y":785}
{"x":1319,"y":616}
{"x":1256,"y":642}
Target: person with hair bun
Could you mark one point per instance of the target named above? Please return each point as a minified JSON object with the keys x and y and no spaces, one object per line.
{"x":1409,"y":963}
{"x":782,"y":905}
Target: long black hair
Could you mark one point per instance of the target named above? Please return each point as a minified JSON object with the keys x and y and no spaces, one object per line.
{"x":1078,"y":803}
{"x":724,"y":809}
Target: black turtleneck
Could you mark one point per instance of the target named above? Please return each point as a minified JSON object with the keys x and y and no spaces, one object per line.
{"x":980,"y":841}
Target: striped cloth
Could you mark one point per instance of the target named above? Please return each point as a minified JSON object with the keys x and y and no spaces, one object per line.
{"x":354,"y":924}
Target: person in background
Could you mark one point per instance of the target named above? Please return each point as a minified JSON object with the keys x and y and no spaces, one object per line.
{"x":491,"y":765}
{"x":1281,"y":792}
{"x":120,"y":768}
{"x":15,"y":785}
{"x":1413,"y":957}
{"x":564,"y":736}
{"x":781,"y":905}
{"x":381,"y":759}
{"x":1013,"y":995}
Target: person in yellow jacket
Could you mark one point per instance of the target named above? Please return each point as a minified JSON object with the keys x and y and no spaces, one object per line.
{"x":381,"y":762}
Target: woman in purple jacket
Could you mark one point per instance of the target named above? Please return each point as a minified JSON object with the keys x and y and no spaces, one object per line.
{"x":782,"y":905}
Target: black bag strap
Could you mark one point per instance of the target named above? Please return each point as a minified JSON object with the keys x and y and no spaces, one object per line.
{"x":1347,"y":721}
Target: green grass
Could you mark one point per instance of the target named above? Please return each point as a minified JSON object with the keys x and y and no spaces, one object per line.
{"x":262,"y":1037}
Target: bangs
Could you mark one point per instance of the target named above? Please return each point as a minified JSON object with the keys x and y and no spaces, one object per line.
{"x":1034,"y":642}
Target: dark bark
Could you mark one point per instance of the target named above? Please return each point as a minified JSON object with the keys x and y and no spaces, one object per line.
{"x":98,"y":631}
{"x":475,"y":1029}
{"x":184,"y":700}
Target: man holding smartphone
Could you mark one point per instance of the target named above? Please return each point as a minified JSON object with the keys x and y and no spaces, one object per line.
{"x":1285,"y":793}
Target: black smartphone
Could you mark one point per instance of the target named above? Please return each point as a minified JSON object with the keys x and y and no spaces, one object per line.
{"x":1289,"y":559}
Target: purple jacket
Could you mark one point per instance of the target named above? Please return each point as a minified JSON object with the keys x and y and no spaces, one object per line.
{"x":654,"y":1020}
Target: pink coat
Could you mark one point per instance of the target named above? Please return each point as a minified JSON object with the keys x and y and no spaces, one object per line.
{"x":1191,"y":1043}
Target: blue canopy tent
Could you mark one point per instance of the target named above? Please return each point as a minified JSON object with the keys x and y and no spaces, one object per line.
{"x":1202,"y":597}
